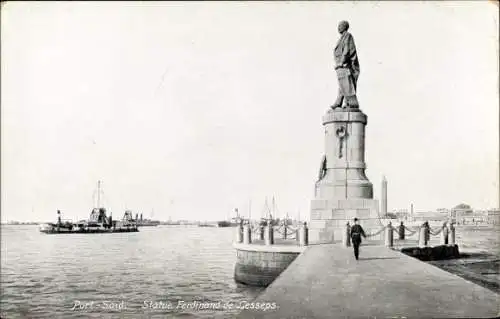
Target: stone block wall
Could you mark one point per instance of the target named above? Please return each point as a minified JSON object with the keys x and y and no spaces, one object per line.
{"x":260,"y":268}
{"x":329,"y":217}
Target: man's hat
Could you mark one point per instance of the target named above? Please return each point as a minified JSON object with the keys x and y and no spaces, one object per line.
{"x":355,"y":219}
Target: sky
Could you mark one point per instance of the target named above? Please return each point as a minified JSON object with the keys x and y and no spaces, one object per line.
{"x":189,"y":110}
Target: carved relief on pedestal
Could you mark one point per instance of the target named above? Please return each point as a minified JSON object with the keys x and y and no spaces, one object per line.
{"x":341,"y":134}
{"x":322,"y":168}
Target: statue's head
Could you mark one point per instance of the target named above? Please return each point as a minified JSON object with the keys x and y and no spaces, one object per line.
{"x":343,"y":26}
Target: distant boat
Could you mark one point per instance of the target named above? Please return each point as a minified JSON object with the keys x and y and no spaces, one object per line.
{"x":174,"y":223}
{"x":205,"y":224}
{"x":170,"y":222}
{"x":230,"y":223}
{"x":146,"y":222}
{"x":224,"y":223}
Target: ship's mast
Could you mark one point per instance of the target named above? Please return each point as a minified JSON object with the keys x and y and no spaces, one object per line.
{"x":250,"y":209}
{"x":98,"y":194}
{"x":273,"y":209}
{"x":266,"y":207}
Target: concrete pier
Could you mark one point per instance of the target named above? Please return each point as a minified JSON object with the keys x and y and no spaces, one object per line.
{"x":259,"y":264}
{"x":325,"y":281}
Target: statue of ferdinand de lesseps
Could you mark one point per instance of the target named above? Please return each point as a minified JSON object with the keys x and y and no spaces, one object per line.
{"x":347,"y":68}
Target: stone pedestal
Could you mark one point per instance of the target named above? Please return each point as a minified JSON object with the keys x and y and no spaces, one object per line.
{"x":343,"y":192}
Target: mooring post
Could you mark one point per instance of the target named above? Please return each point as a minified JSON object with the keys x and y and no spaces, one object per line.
{"x":346,"y":238}
{"x":261,"y":233}
{"x":239,"y":233}
{"x":247,"y":234}
{"x":427,"y":232}
{"x":389,"y":237}
{"x":58,"y":220}
{"x":269,"y":234}
{"x":304,"y":235}
{"x":422,"y":242}
{"x":452,"y":234}
{"x":444,"y":235}
{"x":284,"y":230}
{"x":401,"y":231}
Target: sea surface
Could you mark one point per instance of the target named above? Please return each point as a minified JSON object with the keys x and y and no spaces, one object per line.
{"x":159,"y":272}
{"x":480,"y":250}
{"x":146,"y":274}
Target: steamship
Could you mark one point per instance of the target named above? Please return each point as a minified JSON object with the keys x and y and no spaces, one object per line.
{"x":146,"y":222}
{"x":98,"y":222}
{"x":234,"y":221}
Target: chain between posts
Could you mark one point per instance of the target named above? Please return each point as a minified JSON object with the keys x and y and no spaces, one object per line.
{"x":255,"y":228}
{"x":378,"y":232}
{"x":411,"y":232}
{"x":435,"y":233}
{"x":280,"y":229}
{"x":290,"y":231}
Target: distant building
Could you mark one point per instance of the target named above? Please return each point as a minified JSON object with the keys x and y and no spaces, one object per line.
{"x":460,"y":213}
{"x":444,"y":211}
{"x":401,"y":214}
{"x":463,"y":214}
{"x":429,"y":216}
{"x":383,"y":199}
{"x":493,"y":216}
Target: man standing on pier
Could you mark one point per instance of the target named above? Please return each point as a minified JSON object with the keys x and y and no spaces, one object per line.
{"x":356,"y":233}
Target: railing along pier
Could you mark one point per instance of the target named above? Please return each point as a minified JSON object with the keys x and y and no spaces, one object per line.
{"x":424,"y":231}
{"x":267,"y":233}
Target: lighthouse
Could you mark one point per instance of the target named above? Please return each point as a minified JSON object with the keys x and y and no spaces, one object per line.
{"x":383,"y":197}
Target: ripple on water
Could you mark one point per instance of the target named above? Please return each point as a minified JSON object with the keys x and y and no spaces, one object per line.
{"x":43,"y":276}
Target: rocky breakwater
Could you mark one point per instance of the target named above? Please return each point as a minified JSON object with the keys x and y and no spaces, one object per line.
{"x":433,"y":253}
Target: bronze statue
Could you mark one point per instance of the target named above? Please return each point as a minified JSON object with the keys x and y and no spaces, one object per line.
{"x":347,"y":68}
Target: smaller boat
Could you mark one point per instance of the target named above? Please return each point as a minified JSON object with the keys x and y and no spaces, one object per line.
{"x":224,"y":223}
{"x":234,"y":221}
{"x":205,"y":224}
{"x":146,"y":222}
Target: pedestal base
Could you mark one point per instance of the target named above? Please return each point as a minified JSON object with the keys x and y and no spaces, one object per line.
{"x":329,"y":217}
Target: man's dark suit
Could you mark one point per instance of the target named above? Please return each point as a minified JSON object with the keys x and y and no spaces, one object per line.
{"x":356,"y":233}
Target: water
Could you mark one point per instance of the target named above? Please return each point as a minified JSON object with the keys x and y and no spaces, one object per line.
{"x":481,"y":263}
{"x":140,"y":274}
{"x":479,"y":239}
{"x":46,"y":275}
